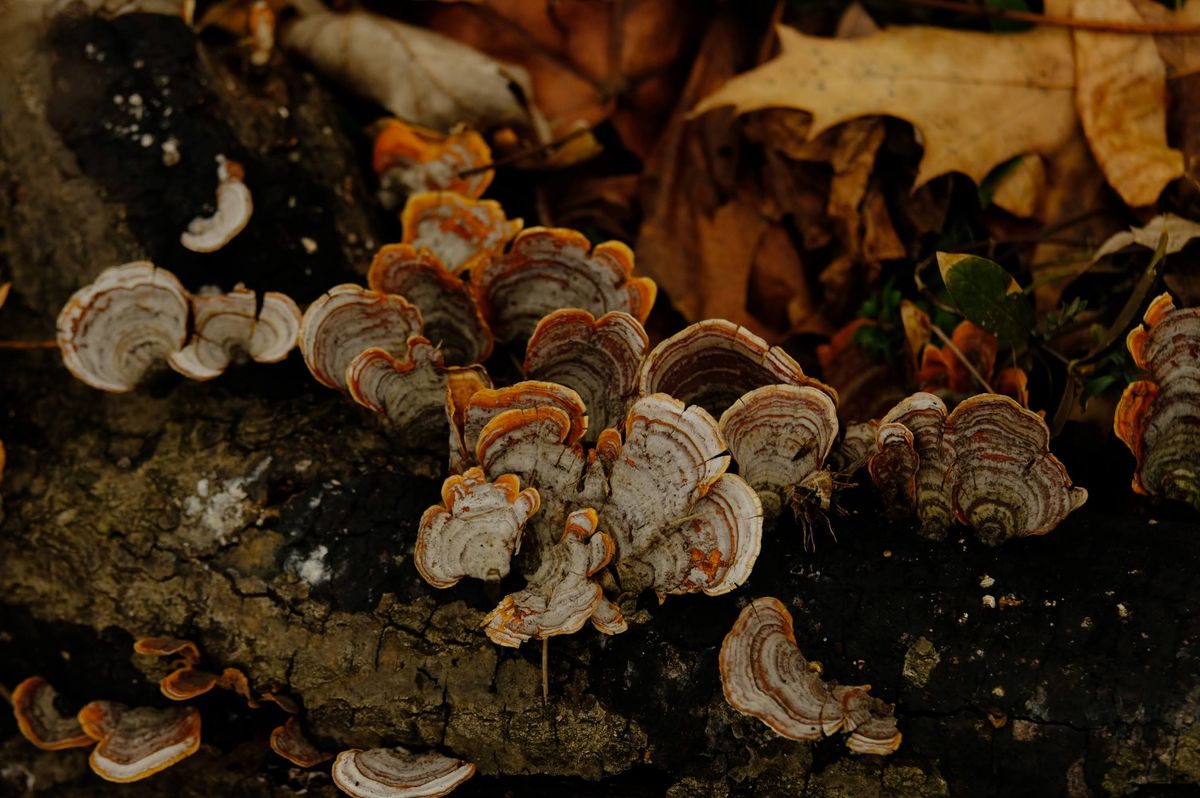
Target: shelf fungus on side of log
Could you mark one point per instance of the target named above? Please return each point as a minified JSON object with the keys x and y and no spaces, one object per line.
{"x":548,"y":268}
{"x":290,"y":743}
{"x":409,"y":159}
{"x":764,"y":674}
{"x":234,"y":208}
{"x":411,"y":393}
{"x":562,"y":594}
{"x":398,"y":773}
{"x":470,"y":411}
{"x":346,"y":321}
{"x":35,"y":707}
{"x":779,"y":436}
{"x":451,"y":318}
{"x":714,"y":362}
{"x":134,"y":744}
{"x":1159,"y":418}
{"x":227,"y":325}
{"x":461,"y":231}
{"x":681,"y":524}
{"x":112,"y":332}
{"x":598,"y":358}
{"x":475,"y":531}
{"x":987,"y":465}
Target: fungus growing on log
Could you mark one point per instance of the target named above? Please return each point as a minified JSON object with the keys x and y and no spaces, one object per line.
{"x":561,"y":595}
{"x":451,"y":319}
{"x":346,"y":321}
{"x":858,"y":442}
{"x":681,"y":524}
{"x":471,"y":411}
{"x":225,"y":325}
{"x":234,"y":207}
{"x":188,"y":651}
{"x":987,"y":465}
{"x":779,"y":435}
{"x":461,"y":231}
{"x":290,"y":743}
{"x":714,"y":362}
{"x":39,"y":719}
{"x":1157,"y":418}
{"x":598,"y":358}
{"x":398,"y":773}
{"x":548,"y":268}
{"x":411,"y":393}
{"x":134,"y":744}
{"x":113,"y":331}
{"x":411,"y":159}
{"x":475,"y":531}
{"x":764,"y":674}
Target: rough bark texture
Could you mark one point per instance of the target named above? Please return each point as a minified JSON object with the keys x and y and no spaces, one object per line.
{"x":272,"y":521}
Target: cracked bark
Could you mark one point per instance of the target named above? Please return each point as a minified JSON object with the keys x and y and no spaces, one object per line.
{"x":192,"y":509}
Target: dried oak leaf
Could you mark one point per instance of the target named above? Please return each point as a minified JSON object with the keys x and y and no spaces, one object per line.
{"x":1157,"y":417}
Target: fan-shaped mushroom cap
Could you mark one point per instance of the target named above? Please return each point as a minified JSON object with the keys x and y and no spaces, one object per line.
{"x":714,"y":362}
{"x":290,"y":743}
{"x":462,"y":232}
{"x":112,"y":331}
{"x":40,"y":721}
{"x":548,"y":268}
{"x":346,"y":321}
{"x":475,"y":531}
{"x":987,"y":464}
{"x":223,"y":324}
{"x":234,"y":207}
{"x":470,"y":417}
{"x":1158,"y":418}
{"x":561,"y":595}
{"x":857,"y":444}
{"x":398,"y":773}
{"x":778,"y":435}
{"x":168,"y":646}
{"x":598,"y":358}
{"x":137,"y":743}
{"x":187,"y":683}
{"x":411,"y":393}
{"x":763,"y":674}
{"x":680,"y":522}
{"x":447,"y":306}
{"x":417,"y":159}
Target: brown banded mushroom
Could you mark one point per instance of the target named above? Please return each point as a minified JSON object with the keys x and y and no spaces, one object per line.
{"x":113,"y":331}
{"x":398,"y":773}
{"x":1157,"y":418}
{"x":714,"y":362}
{"x":461,"y":231}
{"x":41,"y":722}
{"x":470,"y":411}
{"x":234,"y":207}
{"x":764,"y":675}
{"x":548,"y":268}
{"x":987,"y":465}
{"x":134,"y":744}
{"x":411,"y":393}
{"x":452,"y":321}
{"x":779,"y":436}
{"x":346,"y":321}
{"x":188,"y":651}
{"x":475,"y":531}
{"x":681,"y":524}
{"x":562,"y":594}
{"x":409,"y":159}
{"x":290,"y":743}
{"x":598,"y":358}
{"x":226,"y":325}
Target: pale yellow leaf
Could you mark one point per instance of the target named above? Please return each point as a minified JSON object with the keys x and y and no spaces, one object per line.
{"x":977,"y":99}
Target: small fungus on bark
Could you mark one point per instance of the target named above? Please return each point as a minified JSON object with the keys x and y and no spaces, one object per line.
{"x":346,"y":321}
{"x":226,"y":325}
{"x":38,"y":717}
{"x":234,"y":208}
{"x":461,"y":231}
{"x":410,"y":159}
{"x":290,"y":743}
{"x":134,"y":744}
{"x":398,"y":773}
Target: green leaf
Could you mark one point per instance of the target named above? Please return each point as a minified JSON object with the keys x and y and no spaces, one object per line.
{"x":988,"y":296}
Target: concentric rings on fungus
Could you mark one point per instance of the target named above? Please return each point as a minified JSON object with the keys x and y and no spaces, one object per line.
{"x":398,"y":773}
{"x":225,"y":325}
{"x":461,"y":232}
{"x":134,"y":744}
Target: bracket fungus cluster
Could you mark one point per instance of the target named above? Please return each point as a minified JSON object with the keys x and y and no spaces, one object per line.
{"x":398,"y":773}
{"x":409,"y":159}
{"x":462,"y":232}
{"x":764,"y":674}
{"x":234,"y":208}
{"x":113,"y":332}
{"x":1157,"y":418}
{"x":986,"y":465}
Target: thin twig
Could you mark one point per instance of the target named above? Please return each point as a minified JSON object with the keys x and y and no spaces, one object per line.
{"x":945,"y":339}
{"x":1031,"y":17}
{"x":521,"y":155}
{"x":5,"y":693}
{"x":28,"y":344}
